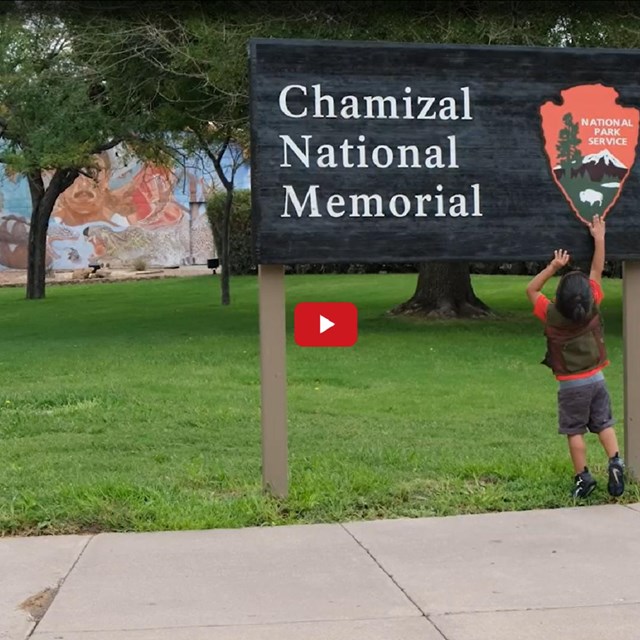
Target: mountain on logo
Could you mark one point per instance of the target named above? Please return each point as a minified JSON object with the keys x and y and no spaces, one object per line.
{"x":596,"y":166}
{"x":604,"y":156}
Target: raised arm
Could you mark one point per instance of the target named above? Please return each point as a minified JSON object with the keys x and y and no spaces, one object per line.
{"x":561,"y":258}
{"x":597,"y":228}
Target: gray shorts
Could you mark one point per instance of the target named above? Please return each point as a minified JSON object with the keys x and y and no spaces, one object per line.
{"x":584,"y":406}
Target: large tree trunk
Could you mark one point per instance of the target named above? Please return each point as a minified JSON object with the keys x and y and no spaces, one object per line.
{"x":444,"y":291}
{"x":42,"y":203}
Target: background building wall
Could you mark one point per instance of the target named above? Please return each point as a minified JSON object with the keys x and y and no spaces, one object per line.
{"x":130,"y":212}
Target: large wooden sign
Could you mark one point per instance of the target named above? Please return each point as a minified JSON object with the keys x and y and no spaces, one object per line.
{"x":402,"y":153}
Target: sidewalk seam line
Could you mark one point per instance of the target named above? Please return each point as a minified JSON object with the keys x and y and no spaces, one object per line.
{"x":474,"y":612}
{"x":424,"y":614}
{"x":60,"y":583}
{"x":231,"y":625}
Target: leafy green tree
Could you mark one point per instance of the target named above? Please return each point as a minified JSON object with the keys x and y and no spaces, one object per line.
{"x":191,"y":72}
{"x":55,"y":117}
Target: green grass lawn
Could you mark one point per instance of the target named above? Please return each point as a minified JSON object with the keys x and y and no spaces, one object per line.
{"x":135,"y":406}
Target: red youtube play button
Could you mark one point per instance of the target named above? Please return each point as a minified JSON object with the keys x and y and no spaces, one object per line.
{"x":326,"y":324}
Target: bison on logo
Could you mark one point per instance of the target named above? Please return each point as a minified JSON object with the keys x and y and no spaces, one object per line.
{"x":590,"y":142}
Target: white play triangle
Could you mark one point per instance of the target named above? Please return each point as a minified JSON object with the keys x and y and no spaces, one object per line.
{"x":325,"y":324}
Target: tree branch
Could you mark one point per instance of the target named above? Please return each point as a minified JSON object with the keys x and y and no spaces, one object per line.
{"x":216,"y":158}
{"x":223,"y":149}
{"x":106,"y":146}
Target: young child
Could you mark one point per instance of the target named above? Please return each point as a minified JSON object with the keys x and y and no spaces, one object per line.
{"x":576,"y":354}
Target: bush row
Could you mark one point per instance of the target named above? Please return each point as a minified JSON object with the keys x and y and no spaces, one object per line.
{"x":242,"y":262}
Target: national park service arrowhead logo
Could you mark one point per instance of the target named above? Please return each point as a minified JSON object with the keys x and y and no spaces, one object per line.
{"x":590,"y":141}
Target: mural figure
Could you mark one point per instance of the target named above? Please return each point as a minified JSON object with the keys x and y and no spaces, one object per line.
{"x":14,"y":237}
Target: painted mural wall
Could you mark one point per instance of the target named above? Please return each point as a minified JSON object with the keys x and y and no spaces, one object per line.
{"x":131,"y":211}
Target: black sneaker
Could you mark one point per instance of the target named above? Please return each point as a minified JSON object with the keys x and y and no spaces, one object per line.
{"x":585,"y":484}
{"x":616,"y":476}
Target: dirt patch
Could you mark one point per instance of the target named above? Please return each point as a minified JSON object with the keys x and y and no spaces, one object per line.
{"x":36,"y":606}
{"x":10,"y":278}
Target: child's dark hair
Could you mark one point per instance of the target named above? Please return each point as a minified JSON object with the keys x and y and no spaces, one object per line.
{"x":574,"y":297}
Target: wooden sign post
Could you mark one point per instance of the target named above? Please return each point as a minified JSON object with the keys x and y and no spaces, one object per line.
{"x":380,"y":153}
{"x":274,"y":379}
{"x":631,"y":339}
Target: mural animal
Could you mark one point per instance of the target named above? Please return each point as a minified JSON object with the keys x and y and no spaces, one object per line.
{"x":157,"y":247}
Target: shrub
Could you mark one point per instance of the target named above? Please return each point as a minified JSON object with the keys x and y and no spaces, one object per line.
{"x":240,"y":241}
{"x":140,"y":264}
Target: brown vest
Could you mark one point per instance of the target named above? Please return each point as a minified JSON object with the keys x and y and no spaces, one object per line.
{"x":573,"y":348}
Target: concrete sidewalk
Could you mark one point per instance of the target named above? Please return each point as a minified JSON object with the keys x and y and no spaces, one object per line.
{"x":567,"y":573}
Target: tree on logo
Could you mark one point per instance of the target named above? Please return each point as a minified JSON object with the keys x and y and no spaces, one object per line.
{"x":568,"y":152}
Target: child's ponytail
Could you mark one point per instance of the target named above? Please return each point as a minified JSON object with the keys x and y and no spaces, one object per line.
{"x":574,"y":297}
